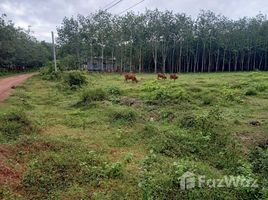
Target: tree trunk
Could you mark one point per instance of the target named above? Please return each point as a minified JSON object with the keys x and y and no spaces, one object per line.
{"x":230,"y":59}
{"x":173,"y":57}
{"x":180,"y":59}
{"x":223,"y":60}
{"x":155,"y":59}
{"x":249,"y":53}
{"x":236,"y":58}
{"x":140,"y":61}
{"x":203,"y":57}
{"x":196,"y":59}
{"x":260,"y":62}
{"x":217,"y":60}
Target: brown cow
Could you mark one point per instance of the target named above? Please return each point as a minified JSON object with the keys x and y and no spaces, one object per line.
{"x":132,"y":77}
{"x":161,"y":76}
{"x":173,"y":76}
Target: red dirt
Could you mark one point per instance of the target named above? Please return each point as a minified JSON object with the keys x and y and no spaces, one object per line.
{"x":10,"y":173}
{"x":6,"y":84}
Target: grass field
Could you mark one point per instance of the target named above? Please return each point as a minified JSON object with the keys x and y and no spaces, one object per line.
{"x":115,"y":140}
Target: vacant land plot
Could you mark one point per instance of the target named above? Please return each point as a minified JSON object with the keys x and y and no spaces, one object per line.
{"x":103,"y":138}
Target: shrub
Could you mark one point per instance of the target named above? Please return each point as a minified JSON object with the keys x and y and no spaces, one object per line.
{"x":48,"y":73}
{"x":114,"y":170}
{"x":15,"y":124}
{"x":259,"y":157}
{"x":231,"y":94}
{"x":123,"y":115}
{"x":261,"y":87}
{"x":207,"y":99}
{"x":251,"y":92}
{"x":151,"y":86}
{"x":113,"y":90}
{"x":91,"y":95}
{"x":75,"y":80}
{"x":205,"y":122}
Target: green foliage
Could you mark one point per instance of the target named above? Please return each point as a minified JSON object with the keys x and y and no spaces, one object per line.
{"x":19,"y":48}
{"x":114,"y":170}
{"x":68,"y":63}
{"x":75,"y":80}
{"x":259,"y":159}
{"x":59,"y":171}
{"x":126,"y":115}
{"x":157,"y":93}
{"x":128,"y":157}
{"x":14,"y":124}
{"x":231,"y":95}
{"x":113,"y":90}
{"x":261,"y":87}
{"x":206,"y":122}
{"x":251,"y":92}
{"x":91,"y":95}
{"x":207,"y":99}
{"x":48,"y":72}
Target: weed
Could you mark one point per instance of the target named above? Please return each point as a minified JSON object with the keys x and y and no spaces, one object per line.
{"x":251,"y":92}
{"x":114,"y":170}
{"x":91,"y":95}
{"x":113,"y":90}
{"x":123,"y":115}
{"x":59,"y":171}
{"x":14,"y":124}
{"x":261,"y":87}
{"x":75,"y":80}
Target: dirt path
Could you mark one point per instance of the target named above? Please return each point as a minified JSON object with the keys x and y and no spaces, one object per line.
{"x":6,"y":84}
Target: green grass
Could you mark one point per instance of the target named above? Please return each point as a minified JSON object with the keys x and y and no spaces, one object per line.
{"x":115,"y":140}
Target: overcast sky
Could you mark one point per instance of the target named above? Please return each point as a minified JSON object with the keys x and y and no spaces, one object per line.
{"x":45,"y":15}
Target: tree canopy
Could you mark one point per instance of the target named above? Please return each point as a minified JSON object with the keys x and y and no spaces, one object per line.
{"x":157,"y":41}
{"x":19,"y":48}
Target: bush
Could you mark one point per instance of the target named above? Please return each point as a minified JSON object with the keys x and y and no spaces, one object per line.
{"x":91,"y":95}
{"x":207,"y":99}
{"x":251,"y":92}
{"x":114,"y":170}
{"x":123,"y":115}
{"x":48,"y":73}
{"x":113,"y":90}
{"x":75,"y":80}
{"x":68,"y":63}
{"x":206,"y":122}
{"x":160,"y":94}
{"x":15,"y":124}
{"x":261,"y":87}
{"x":231,"y":94}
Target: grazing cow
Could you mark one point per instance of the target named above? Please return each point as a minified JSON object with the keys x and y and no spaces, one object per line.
{"x":161,"y":76}
{"x":173,"y":76}
{"x":131,"y":77}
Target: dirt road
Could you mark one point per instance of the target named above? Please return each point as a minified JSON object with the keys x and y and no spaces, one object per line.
{"x":6,"y":84}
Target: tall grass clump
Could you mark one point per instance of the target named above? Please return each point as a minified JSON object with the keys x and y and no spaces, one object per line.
{"x":48,"y":72}
{"x":14,"y":124}
{"x":90,"y":96}
{"x":75,"y":80}
{"x":123,"y":115}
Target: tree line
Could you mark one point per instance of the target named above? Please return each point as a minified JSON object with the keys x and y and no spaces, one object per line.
{"x":19,"y":49}
{"x":157,"y":41}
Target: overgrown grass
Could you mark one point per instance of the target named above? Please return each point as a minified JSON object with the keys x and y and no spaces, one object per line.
{"x":134,"y":141}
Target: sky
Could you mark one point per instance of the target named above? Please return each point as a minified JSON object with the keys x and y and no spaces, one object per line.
{"x":44,"y":16}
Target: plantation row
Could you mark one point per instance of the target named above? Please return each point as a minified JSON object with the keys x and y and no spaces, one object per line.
{"x":163,"y":41}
